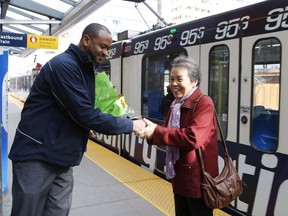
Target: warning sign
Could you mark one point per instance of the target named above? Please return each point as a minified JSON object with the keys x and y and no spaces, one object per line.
{"x":42,"y":42}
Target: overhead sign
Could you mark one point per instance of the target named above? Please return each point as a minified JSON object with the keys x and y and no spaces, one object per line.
{"x":28,"y":41}
{"x":42,"y":41}
{"x":14,"y":40}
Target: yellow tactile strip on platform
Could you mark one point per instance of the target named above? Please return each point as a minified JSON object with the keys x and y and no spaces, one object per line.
{"x":152,"y":188}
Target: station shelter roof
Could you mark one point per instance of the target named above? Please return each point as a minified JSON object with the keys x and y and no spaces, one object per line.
{"x":43,"y":17}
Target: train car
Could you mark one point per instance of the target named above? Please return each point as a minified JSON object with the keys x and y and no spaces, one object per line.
{"x":243,"y":55}
{"x":24,"y":82}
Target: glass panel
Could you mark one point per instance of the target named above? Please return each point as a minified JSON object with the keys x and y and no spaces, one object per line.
{"x":26,"y":15}
{"x":266,"y":85}
{"x":219,"y":83}
{"x":105,"y":66}
{"x":55,"y":4}
{"x":155,"y":81}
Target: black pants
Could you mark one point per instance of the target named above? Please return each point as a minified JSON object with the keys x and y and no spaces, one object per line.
{"x":41,"y":189}
{"x":185,"y":206}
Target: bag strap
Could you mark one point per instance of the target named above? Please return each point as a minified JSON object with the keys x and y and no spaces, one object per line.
{"x":221,"y":134}
{"x":220,"y":131}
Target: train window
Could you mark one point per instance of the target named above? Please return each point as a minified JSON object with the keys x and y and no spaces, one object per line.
{"x":155,"y":79}
{"x":218,"y":82}
{"x":266,"y":93}
{"x":105,"y":66}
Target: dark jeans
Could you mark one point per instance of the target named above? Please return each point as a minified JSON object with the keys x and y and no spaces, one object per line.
{"x":186,"y":206}
{"x":41,"y":189}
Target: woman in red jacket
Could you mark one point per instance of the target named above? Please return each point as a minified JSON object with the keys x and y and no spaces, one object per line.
{"x":190,"y":125}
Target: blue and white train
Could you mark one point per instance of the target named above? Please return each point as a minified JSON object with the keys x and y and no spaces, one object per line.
{"x":243,"y":55}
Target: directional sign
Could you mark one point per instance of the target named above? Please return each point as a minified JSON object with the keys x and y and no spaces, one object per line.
{"x":13,"y":40}
{"x":28,"y":41}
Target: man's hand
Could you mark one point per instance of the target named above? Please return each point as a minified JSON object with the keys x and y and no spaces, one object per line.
{"x":138,"y":125}
{"x":148,"y":131}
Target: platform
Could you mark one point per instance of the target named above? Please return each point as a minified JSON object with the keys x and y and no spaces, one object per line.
{"x":96,"y":192}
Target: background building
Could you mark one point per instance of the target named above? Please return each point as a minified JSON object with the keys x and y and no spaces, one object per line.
{"x":179,"y":11}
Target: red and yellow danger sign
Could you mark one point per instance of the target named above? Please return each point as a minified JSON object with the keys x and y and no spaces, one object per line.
{"x":42,"y":42}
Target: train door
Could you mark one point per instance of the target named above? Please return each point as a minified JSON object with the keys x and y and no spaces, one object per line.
{"x":261,"y":130}
{"x":220,"y":71}
{"x":113,"y":67}
{"x":115,"y":73}
{"x":131,"y":83}
{"x":220,"y":80}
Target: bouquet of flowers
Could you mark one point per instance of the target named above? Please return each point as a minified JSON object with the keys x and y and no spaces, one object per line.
{"x":107,"y":98}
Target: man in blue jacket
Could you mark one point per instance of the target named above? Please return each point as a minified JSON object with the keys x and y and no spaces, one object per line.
{"x":55,"y":122}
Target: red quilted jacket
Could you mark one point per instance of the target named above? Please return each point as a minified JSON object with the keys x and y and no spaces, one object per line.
{"x":197,"y":129}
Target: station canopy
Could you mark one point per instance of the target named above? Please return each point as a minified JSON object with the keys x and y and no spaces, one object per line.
{"x":43,"y":17}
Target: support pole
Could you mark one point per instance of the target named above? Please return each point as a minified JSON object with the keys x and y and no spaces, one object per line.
{"x":4,"y":125}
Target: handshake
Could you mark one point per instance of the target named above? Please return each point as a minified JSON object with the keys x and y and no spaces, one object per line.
{"x":143,"y":128}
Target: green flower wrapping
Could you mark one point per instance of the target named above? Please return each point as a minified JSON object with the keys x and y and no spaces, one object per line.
{"x":106,"y":97}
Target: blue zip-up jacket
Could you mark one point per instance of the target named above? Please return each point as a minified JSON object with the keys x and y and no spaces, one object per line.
{"x":59,"y":112}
